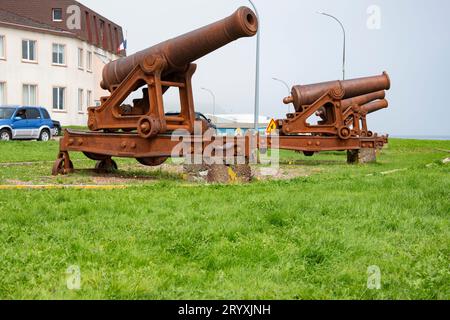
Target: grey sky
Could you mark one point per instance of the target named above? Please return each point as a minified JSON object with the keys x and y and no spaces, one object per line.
{"x":302,"y":47}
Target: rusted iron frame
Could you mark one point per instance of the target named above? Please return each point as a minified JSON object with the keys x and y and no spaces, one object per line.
{"x":126,"y":145}
{"x":109,"y":116}
{"x":298,"y":123}
{"x":322,"y":143}
{"x":133,"y":146}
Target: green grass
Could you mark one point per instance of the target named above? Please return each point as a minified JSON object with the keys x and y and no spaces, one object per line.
{"x":309,"y":238}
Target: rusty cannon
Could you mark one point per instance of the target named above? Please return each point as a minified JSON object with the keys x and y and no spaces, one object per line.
{"x":308,"y":94}
{"x":141,"y":130}
{"x":332,"y":116}
{"x":166,"y":65}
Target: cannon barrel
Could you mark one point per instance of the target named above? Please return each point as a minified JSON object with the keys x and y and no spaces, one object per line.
{"x":375,"y":106}
{"x":308,"y":94}
{"x":356,"y":101}
{"x":179,"y":52}
{"x":362,"y":100}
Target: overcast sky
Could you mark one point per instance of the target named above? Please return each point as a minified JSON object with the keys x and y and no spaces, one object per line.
{"x":302,"y":47}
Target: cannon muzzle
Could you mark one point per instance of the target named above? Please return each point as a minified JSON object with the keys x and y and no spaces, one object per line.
{"x":308,"y":94}
{"x":179,"y":52}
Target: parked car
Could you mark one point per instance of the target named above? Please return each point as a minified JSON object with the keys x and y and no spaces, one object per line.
{"x":198,"y":116}
{"x":58,"y":128}
{"x":201,"y":116}
{"x":25,"y":123}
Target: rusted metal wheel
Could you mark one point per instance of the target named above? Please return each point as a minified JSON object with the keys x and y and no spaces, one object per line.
{"x":152,"y":162}
{"x":95,"y":156}
{"x":59,"y":167}
{"x":148,"y":127}
{"x":106,"y":166}
{"x":344,"y":133}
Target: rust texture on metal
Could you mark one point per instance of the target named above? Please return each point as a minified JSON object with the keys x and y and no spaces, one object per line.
{"x":307,"y":94}
{"x":179,"y":52}
{"x":143,"y":130}
{"x":375,"y":106}
{"x":341,"y":106}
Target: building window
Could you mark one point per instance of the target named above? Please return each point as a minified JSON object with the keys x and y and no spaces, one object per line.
{"x":80,"y":100}
{"x":29,"y":50}
{"x":58,"y":56}
{"x":2,"y":93}
{"x":88,"y":98}
{"x":2,"y":47}
{"x":29,"y":95}
{"x":59,"y":98}
{"x":80,"y":58}
{"x":57,"y":14}
{"x":89,"y":61}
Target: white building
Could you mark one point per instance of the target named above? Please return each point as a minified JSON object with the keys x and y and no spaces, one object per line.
{"x":54,"y":67}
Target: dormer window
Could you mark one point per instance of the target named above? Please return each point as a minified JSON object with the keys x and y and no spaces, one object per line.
{"x":57,"y":14}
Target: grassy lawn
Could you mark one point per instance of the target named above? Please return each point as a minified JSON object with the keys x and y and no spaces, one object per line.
{"x":312,"y":237}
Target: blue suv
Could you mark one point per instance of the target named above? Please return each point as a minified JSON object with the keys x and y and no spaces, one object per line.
{"x":19,"y":122}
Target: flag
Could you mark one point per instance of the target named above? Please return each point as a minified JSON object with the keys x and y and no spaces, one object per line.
{"x":123,"y":46}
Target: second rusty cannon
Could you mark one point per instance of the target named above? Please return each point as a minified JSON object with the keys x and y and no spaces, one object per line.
{"x":331,"y":116}
{"x":341,"y":105}
{"x":303,"y":95}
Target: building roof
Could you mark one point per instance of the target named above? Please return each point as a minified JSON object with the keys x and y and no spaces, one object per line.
{"x":14,"y":20}
{"x":37,"y":15}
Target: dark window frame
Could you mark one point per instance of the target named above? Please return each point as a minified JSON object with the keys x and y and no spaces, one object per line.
{"x":54,"y":10}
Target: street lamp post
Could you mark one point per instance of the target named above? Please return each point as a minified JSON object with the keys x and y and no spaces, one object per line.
{"x":258,"y":44}
{"x":343,"y":30}
{"x":286,"y":85}
{"x":214,"y":99}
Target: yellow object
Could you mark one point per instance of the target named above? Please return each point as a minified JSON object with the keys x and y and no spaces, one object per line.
{"x":232,"y":175}
{"x":271,"y":127}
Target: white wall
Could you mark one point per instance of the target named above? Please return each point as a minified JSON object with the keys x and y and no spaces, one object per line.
{"x":45,"y":75}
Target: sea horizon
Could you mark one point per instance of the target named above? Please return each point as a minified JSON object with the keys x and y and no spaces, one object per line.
{"x":421,"y":137}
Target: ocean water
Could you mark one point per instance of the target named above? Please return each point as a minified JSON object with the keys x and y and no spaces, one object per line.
{"x":421,"y":137}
